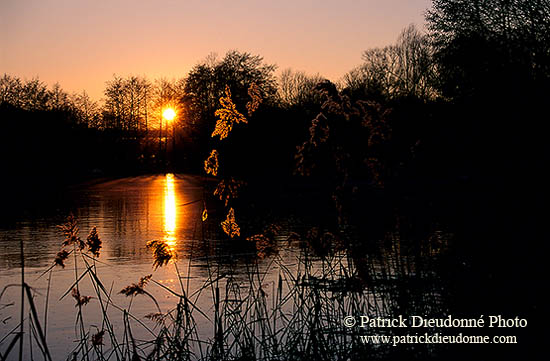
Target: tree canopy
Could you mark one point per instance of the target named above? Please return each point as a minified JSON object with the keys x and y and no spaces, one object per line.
{"x":496,"y":44}
{"x":206,"y":82}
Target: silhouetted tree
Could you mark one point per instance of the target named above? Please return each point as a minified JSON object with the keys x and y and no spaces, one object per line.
{"x":403,"y":69}
{"x":87,"y":110}
{"x":58,"y":99}
{"x":206,"y":83}
{"x":493,"y":61}
{"x":296,"y":88}
{"x":165,"y":93}
{"x":11,"y":90}
{"x":126,"y":103}
{"x":490,"y":45}
{"x":29,"y":95}
{"x":114,"y":107}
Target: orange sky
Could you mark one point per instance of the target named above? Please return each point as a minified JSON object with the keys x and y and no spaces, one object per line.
{"x":81,"y":44}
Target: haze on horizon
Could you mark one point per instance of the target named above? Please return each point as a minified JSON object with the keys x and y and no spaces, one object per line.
{"x":82,"y":44}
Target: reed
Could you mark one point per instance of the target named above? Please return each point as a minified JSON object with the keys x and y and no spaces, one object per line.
{"x":278,"y":311}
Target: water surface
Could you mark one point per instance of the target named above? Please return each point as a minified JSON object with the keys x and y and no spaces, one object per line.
{"x":128,"y":213}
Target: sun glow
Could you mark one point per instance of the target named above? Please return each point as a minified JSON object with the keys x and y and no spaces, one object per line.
{"x":170,"y":212}
{"x":169,"y":114}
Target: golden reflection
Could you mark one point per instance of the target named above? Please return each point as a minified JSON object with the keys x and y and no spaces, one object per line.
{"x":170,"y":213}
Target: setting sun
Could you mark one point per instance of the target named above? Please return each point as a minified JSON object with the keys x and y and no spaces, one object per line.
{"x":169,"y":114}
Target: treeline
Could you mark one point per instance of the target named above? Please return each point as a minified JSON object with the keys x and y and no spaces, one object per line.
{"x":126,"y":132}
{"x":461,"y":101}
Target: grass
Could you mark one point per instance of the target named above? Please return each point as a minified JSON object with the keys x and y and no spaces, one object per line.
{"x":276,"y":311}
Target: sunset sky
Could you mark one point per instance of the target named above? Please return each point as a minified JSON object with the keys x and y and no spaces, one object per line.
{"x":81,"y":44}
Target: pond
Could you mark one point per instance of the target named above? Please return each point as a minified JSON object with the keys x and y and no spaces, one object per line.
{"x":258,"y":293}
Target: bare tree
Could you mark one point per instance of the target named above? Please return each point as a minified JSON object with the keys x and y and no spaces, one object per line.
{"x":296,"y":87}
{"x":403,"y":69}
{"x":34,"y":95}
{"x":127,"y":102}
{"x":87,"y":110}
{"x":114,"y":108}
{"x":58,"y":99}
{"x":499,"y":43}
{"x":10,"y":90}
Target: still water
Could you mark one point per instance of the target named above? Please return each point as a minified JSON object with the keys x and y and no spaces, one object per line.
{"x":128,"y":213}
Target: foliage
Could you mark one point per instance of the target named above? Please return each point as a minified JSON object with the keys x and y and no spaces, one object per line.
{"x":211,"y":164}
{"x":227,"y":189}
{"x":228,"y":116}
{"x":230,"y":226}
{"x":343,"y":138}
{"x":206,"y":84}
{"x":349,"y":143}
{"x":493,"y":69}
{"x":255,"y":98}
{"x":295,"y":316}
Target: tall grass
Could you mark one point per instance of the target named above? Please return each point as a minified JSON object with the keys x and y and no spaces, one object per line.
{"x":276,"y":311}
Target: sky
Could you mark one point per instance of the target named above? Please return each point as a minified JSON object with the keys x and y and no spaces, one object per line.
{"x":82,"y":44}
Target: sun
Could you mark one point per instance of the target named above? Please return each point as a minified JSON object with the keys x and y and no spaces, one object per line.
{"x":169,"y":114}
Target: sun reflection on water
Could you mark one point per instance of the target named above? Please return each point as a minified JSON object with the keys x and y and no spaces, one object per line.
{"x":170,"y":213}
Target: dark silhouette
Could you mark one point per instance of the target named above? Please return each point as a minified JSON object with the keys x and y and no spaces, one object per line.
{"x":437,"y":131}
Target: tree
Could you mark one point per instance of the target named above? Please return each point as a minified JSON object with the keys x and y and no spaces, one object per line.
{"x":10,"y":90}
{"x":58,"y":99}
{"x":87,"y":110}
{"x":403,"y":69}
{"x":126,"y":103}
{"x":493,"y":61}
{"x":206,"y":84}
{"x":114,"y":108}
{"x":165,"y":93}
{"x":490,"y":45}
{"x":449,"y":20}
{"x":296,"y":88}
